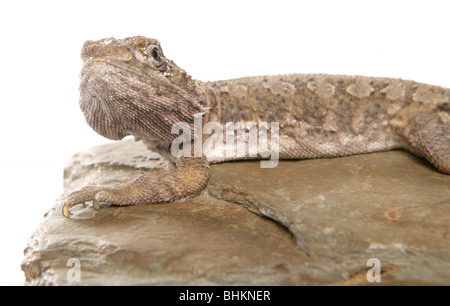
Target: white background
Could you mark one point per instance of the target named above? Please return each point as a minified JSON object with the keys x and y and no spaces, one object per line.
{"x":41,"y":123}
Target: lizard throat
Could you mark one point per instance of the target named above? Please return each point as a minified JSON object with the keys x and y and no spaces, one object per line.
{"x":117,"y":102}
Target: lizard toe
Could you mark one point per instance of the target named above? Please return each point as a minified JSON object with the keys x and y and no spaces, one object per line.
{"x":81,"y":196}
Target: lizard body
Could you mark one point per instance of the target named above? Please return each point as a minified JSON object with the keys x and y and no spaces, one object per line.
{"x":128,"y":87}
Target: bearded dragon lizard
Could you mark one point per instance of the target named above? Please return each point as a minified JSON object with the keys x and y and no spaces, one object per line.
{"x":128,"y":87}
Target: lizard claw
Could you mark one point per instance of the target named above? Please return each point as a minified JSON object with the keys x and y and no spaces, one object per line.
{"x":81,"y":196}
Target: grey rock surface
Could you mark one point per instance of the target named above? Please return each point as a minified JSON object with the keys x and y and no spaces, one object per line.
{"x":308,"y":222}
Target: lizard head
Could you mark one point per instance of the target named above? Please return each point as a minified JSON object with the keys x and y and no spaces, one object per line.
{"x":128,"y":87}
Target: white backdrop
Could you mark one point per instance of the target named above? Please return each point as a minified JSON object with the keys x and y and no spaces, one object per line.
{"x":42,"y":125}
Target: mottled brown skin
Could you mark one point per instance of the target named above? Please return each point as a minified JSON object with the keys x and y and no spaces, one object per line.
{"x":128,"y":87}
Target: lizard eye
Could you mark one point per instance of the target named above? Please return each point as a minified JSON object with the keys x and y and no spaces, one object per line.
{"x":155,"y":54}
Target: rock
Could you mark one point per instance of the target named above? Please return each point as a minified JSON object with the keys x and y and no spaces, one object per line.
{"x":312,"y":222}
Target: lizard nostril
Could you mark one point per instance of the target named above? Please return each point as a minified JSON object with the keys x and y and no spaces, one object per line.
{"x":92,"y":48}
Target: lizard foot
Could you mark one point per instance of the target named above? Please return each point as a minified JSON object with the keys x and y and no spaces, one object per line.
{"x":81,"y":196}
{"x":162,"y":186}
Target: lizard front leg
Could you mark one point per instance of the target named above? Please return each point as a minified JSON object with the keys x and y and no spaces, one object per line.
{"x":189,"y":178}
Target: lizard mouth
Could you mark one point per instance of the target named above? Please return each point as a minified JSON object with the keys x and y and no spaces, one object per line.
{"x":97,"y":64}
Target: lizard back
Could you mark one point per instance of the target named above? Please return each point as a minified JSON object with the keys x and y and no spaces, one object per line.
{"x":329,"y":115}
